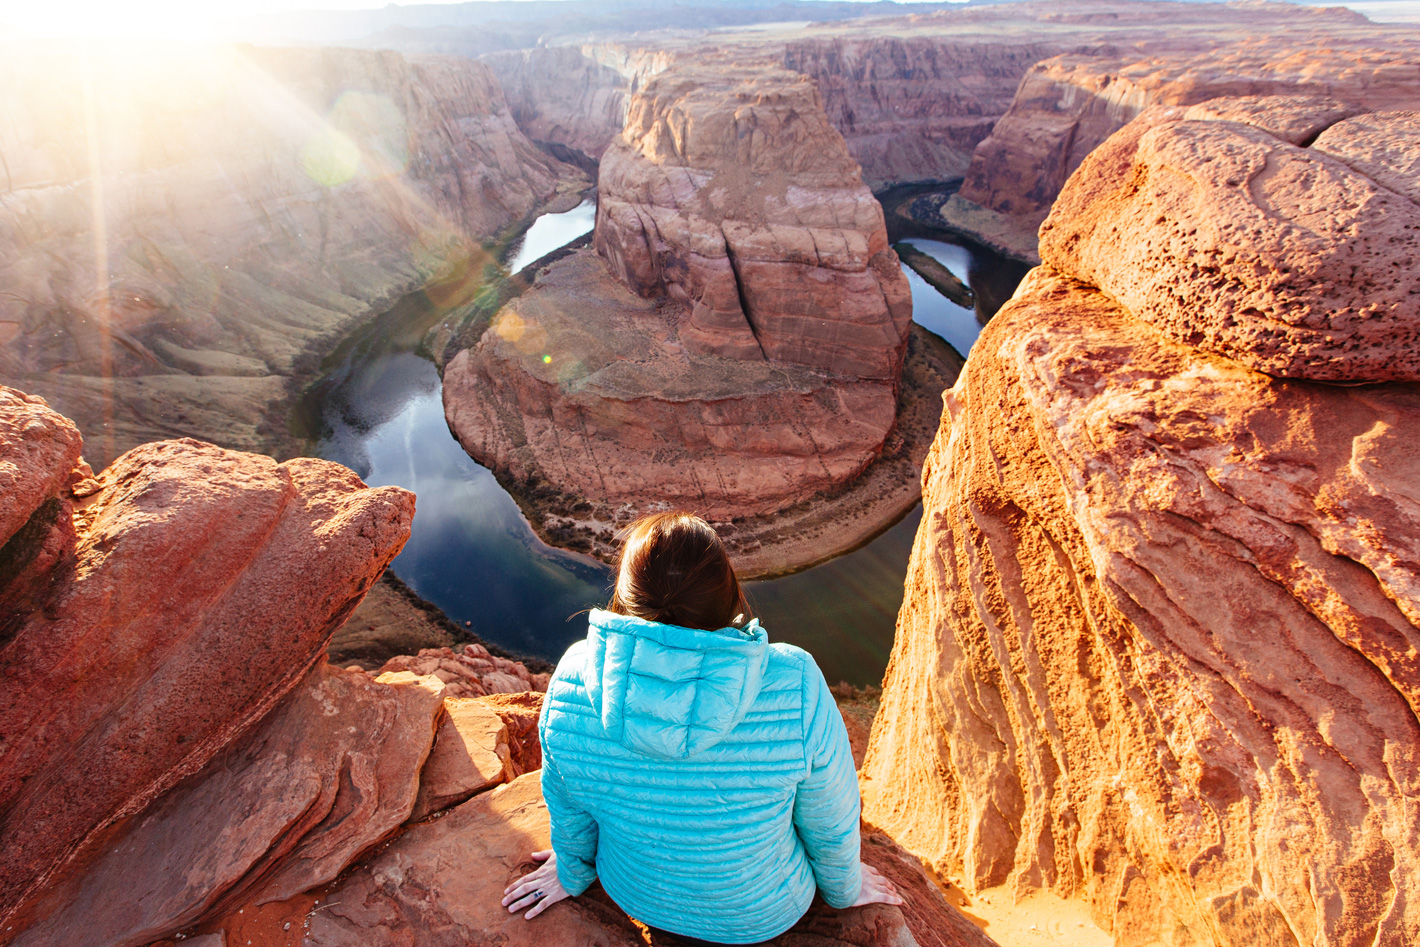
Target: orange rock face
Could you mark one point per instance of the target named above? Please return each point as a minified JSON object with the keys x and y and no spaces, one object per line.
{"x":325,"y":776}
{"x":1283,"y":259}
{"x":1158,"y":645}
{"x":199,"y":586}
{"x":737,"y":198}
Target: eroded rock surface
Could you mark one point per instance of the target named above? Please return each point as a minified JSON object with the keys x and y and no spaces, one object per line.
{"x":441,"y":883}
{"x":469,"y":671}
{"x":198,"y":588}
{"x":738,"y":199}
{"x":255,"y":204}
{"x":1066,"y":106}
{"x":324,"y":777}
{"x":1157,"y":650}
{"x":1281,"y":258}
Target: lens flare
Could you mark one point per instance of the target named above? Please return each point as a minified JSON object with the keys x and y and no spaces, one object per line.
{"x":330,"y":157}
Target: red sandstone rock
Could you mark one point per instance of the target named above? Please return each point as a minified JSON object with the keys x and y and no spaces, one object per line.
{"x":583,"y":385}
{"x":323,"y":778}
{"x":1384,"y":147}
{"x":469,"y":672}
{"x":1296,"y":119}
{"x":1068,"y":105}
{"x":470,"y":754}
{"x":39,"y":468}
{"x":441,"y":884}
{"x":205,"y":584}
{"x":520,"y":714}
{"x":738,"y":199}
{"x":1158,"y":644}
{"x":1281,"y":258}
{"x":38,"y":450}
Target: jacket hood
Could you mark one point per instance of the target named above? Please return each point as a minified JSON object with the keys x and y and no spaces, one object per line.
{"x":667,"y":691}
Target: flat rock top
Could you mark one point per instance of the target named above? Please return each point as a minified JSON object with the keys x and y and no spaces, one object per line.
{"x":1293,"y":118}
{"x":758,"y":123}
{"x":581,"y":329}
{"x":1282,"y":258}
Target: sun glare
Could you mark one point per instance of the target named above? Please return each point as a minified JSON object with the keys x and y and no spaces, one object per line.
{"x":152,"y":19}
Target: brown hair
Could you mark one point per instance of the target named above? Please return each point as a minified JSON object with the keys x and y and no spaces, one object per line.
{"x":674,"y":569}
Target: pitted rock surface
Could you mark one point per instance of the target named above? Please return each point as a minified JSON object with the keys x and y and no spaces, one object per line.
{"x":1283,"y":259}
{"x":1384,"y":147}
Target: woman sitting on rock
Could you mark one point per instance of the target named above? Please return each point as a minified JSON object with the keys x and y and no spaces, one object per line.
{"x":701,"y":772}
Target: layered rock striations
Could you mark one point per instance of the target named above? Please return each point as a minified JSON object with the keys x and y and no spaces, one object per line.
{"x":179,"y":228}
{"x":184,"y":591}
{"x":1157,"y":650}
{"x":734,"y":344}
{"x":1067,"y":105}
{"x":914,"y":107}
{"x":739,"y":200}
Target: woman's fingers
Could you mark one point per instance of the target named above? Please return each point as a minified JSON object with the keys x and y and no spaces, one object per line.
{"x":542,"y":856}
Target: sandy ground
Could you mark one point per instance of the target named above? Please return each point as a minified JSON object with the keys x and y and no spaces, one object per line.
{"x":1038,"y":920}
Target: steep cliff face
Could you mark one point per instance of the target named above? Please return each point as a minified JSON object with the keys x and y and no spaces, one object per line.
{"x":180,"y":228}
{"x":740,"y":200}
{"x":1157,"y":650}
{"x":735,"y":345}
{"x":914,"y":108}
{"x":1066,"y":106}
{"x":574,"y":97}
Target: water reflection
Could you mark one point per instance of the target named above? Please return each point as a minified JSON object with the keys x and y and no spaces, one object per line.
{"x":551,"y":232}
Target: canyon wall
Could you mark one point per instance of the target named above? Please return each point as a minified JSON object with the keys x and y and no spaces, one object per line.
{"x":1157,"y":650}
{"x":574,"y":97}
{"x":914,"y":107}
{"x":1067,"y":105}
{"x":179,"y":228}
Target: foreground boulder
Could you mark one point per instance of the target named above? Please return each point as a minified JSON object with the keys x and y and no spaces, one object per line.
{"x":327,"y":775}
{"x":1158,"y":644}
{"x":1284,"y":259}
{"x":196,"y":588}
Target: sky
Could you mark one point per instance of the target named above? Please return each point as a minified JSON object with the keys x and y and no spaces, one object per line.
{"x":155,"y":18}
{"x":195,"y":18}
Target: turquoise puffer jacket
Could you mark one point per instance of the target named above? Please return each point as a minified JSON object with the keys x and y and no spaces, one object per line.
{"x":705,"y":776}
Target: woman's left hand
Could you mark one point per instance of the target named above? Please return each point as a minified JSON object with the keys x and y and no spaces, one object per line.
{"x":537,"y":889}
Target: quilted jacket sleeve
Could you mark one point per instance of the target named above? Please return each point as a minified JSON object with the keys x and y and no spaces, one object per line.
{"x":826,"y":805}
{"x":574,"y":833}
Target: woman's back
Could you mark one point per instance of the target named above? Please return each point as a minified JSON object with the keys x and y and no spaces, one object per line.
{"x":705,"y":776}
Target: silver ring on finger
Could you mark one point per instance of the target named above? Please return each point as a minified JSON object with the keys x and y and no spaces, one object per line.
{"x":538,"y":896}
